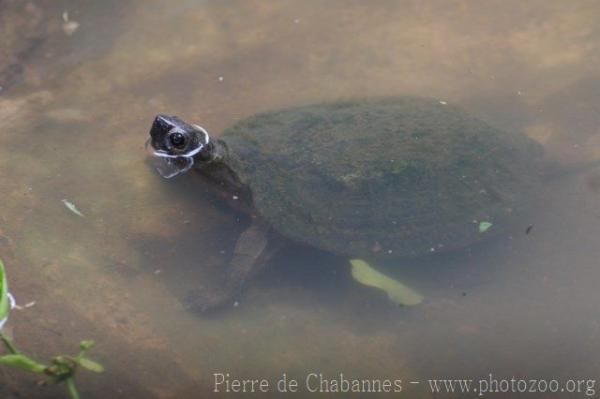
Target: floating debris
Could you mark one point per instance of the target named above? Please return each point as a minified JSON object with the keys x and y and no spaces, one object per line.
{"x":221,"y":78}
{"x":71,"y":206}
{"x":443,"y":102}
{"x":29,"y":304}
{"x":528,"y":229}
{"x":376,"y":247}
{"x":397,"y":292}
{"x":69,"y":27}
{"x":484,"y":226}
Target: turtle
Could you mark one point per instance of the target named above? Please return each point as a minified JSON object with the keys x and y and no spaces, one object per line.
{"x":374,"y":179}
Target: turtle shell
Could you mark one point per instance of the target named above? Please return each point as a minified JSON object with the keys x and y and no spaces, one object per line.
{"x":394,"y":177}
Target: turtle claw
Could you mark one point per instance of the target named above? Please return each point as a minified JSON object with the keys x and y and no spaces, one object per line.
{"x":203,"y":300}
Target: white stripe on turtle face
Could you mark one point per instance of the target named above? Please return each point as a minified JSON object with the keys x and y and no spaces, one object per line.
{"x":172,"y":170}
{"x":167,"y":167}
{"x":164,"y":154}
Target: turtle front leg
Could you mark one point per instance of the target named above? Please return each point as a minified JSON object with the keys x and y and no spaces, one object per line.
{"x":250,"y":256}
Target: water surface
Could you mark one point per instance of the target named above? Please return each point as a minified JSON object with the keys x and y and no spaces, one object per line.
{"x":75,"y":109}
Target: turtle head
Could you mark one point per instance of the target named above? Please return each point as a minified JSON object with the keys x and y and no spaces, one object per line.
{"x":176,"y":145}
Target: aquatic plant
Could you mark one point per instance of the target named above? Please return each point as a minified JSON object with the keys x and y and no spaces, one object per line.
{"x":62,"y":368}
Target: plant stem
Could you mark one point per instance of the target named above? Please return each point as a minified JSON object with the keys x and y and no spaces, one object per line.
{"x":72,"y":388}
{"x":9,"y":345}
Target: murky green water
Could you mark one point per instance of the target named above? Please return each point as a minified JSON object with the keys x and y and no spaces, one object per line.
{"x":75,"y":108}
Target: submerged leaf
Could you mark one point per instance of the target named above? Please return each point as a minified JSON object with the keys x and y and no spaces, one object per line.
{"x":484,"y":226}
{"x":86,"y":344}
{"x":397,"y":292}
{"x":71,"y":206}
{"x":90,"y":365}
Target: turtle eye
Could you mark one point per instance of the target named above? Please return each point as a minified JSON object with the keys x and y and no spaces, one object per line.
{"x":177,"y":140}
